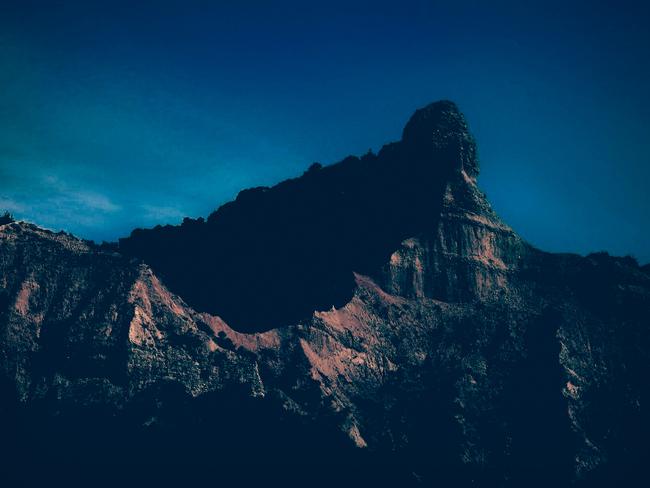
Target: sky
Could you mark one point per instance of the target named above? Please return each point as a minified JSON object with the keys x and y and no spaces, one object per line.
{"x":115,"y":115}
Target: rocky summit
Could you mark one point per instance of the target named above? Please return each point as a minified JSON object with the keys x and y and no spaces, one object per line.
{"x":370,"y":322}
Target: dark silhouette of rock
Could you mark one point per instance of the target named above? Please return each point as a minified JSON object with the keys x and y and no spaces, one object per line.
{"x":274,"y":255}
{"x":455,"y":354}
{"x":6,"y":218}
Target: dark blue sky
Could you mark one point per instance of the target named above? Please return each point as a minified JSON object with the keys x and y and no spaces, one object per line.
{"x":114,"y":115}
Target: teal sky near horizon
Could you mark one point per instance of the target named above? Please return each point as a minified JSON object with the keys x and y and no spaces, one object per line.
{"x":116,"y":115}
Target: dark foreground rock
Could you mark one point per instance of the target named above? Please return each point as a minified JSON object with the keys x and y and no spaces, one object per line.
{"x":455,"y":354}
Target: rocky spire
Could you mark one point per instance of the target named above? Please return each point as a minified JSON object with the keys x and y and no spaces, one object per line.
{"x":442,"y":124}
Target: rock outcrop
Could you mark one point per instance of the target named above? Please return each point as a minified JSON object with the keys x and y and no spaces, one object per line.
{"x":459,"y":356}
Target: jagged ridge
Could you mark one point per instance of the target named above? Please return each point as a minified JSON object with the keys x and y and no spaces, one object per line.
{"x":274,"y":255}
{"x":468,"y":357}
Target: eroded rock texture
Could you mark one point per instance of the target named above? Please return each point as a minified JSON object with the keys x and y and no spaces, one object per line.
{"x":461,"y":357}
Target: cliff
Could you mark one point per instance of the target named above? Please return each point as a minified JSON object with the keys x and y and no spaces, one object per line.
{"x":386,"y":326}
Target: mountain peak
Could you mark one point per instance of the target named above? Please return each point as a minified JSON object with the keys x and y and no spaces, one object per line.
{"x":441,"y":127}
{"x":376,"y":303}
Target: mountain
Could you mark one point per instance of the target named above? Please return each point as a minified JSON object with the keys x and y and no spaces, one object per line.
{"x":292,"y":249}
{"x":372,"y":321}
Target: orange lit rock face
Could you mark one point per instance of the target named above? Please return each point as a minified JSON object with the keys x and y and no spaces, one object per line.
{"x":467,"y":343}
{"x":469,"y":256}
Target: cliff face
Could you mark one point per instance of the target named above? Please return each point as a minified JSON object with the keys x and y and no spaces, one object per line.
{"x":293,"y":248}
{"x":460,"y":356}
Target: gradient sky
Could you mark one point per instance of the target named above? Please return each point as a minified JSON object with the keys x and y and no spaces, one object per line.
{"x":117,"y":115}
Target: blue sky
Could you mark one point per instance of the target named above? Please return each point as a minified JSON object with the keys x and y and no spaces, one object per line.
{"x":116,"y":115}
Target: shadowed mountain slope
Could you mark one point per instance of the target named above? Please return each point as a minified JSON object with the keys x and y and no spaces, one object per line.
{"x":455,"y":354}
{"x":274,"y":255}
